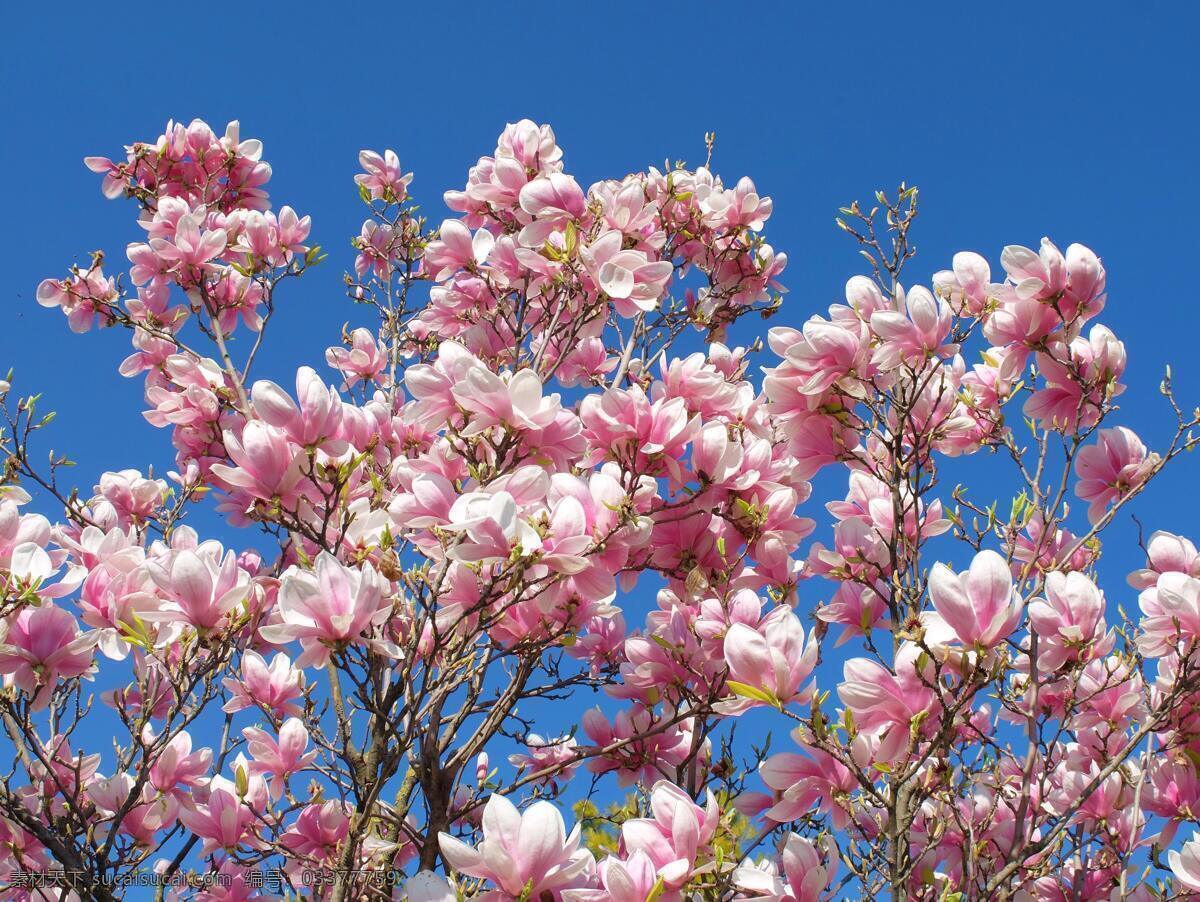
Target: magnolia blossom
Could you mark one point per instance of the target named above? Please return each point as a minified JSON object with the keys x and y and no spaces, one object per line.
{"x":979,"y":606}
{"x":521,"y":853}
{"x":1111,"y":469}
{"x":770,"y":663}
{"x":1185,"y":863}
{"x":887,"y":705}
{"x":802,"y":875}
{"x":276,"y":687}
{"x":328,"y":606}
{"x":39,"y":646}
{"x":1069,"y":620}
{"x":1171,"y":615}
{"x":673,"y":837}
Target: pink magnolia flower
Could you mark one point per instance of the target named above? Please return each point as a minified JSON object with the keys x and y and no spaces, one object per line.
{"x":820,"y":355}
{"x":643,"y":749}
{"x":1075,"y":283}
{"x":1170,"y":615}
{"x":426,"y":886}
{"x":153,"y":812}
{"x":83,"y":297}
{"x":455,"y":248}
{"x":277,"y":687}
{"x":189,"y":249}
{"x":1166,"y":553}
{"x":178,"y":766}
{"x":857,"y":608}
{"x":312,"y":422}
{"x":630,"y":278}
{"x":282,"y":756}
{"x":560,"y":753}
{"x":226,"y":820}
{"x":768,"y":665}
{"x":382,"y":177}
{"x":1111,"y":469}
{"x":130,"y":495}
{"x":492,"y":524}
{"x":803,"y":874}
{"x":377,"y":247}
{"x":267,"y":463}
{"x":1069,"y":620}
{"x":41,"y":645}
{"x":633,"y":879}
{"x":1185,"y":863}
{"x":523,"y":854}
{"x":365,"y":361}
{"x":1080,"y":378}
{"x":979,"y":606}
{"x":887,"y":705}
{"x":676,"y":832}
{"x":514,"y":401}
{"x":916,"y":329}
{"x":203,"y":587}
{"x":966,"y":285}
{"x":802,"y":783}
{"x":552,"y":200}
{"x":328,"y":607}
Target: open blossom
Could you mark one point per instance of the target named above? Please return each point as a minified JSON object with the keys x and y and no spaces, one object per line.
{"x":313,"y":421}
{"x":979,"y":606}
{"x":1111,"y":468}
{"x":1069,"y":620}
{"x":83,"y":297}
{"x":277,"y":687}
{"x":203,"y":587}
{"x":41,"y":645}
{"x":1166,"y":553}
{"x":1185,"y":863}
{"x":456,"y":248}
{"x":769,"y":663}
{"x":180,"y":767}
{"x":1080,"y":378}
{"x":1171,"y":615}
{"x":552,"y":201}
{"x":631,"y":278}
{"x":967,"y":284}
{"x":675,"y":833}
{"x":633,"y":879}
{"x":516,"y":401}
{"x":521,"y":852}
{"x":382,"y":177}
{"x":803,"y":874}
{"x":365,"y":361}
{"x":558,"y":756}
{"x":329,"y":606}
{"x":917,"y":328}
{"x":267,"y":463}
{"x":492,"y":525}
{"x":887,"y":704}
{"x":226,"y":820}
{"x":282,"y":756}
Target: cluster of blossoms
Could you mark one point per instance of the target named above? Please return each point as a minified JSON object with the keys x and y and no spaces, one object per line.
{"x":513,"y":490}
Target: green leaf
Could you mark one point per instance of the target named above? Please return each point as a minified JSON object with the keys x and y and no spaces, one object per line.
{"x":657,"y":890}
{"x":753,"y":692}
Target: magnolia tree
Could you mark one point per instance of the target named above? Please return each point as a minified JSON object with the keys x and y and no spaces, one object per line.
{"x":525,"y":581}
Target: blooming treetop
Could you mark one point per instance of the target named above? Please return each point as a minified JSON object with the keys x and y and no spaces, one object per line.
{"x":510,"y":493}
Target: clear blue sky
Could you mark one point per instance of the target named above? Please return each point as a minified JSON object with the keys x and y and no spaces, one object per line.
{"x":1076,"y":121}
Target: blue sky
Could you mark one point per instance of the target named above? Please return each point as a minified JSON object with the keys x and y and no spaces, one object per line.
{"x":1075,"y":121}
